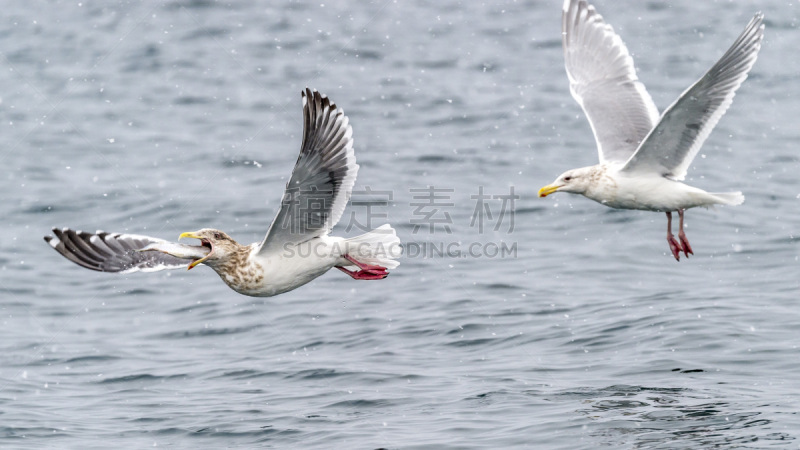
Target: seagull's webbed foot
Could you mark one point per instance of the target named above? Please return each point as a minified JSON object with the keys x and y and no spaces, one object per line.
{"x":674,"y":246}
{"x":367,"y":272}
{"x":687,"y":249}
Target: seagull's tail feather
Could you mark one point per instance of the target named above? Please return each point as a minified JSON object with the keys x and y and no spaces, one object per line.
{"x":379,"y":247}
{"x":729,"y":198}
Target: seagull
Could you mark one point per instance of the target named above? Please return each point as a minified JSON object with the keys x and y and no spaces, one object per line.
{"x":297,"y":247}
{"x":644,"y":156}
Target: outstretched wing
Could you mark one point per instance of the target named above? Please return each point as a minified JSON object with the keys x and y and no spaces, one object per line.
{"x":322,"y":179}
{"x":123,"y":253}
{"x":685,"y":125}
{"x":603,"y":81}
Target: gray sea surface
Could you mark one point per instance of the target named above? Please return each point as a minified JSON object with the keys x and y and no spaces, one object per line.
{"x":163,"y":117}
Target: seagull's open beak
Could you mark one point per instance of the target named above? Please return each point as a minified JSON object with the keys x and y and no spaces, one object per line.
{"x":204,"y":241}
{"x":547,"y":190}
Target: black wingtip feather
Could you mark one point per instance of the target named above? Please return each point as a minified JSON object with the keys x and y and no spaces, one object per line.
{"x":110,"y":252}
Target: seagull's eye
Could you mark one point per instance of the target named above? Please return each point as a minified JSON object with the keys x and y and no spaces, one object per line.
{"x":567,"y":178}
{"x":217,"y":236}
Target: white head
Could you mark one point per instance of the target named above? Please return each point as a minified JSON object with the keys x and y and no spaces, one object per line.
{"x":575,"y":181}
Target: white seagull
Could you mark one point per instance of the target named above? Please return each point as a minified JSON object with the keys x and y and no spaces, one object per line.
{"x":297,"y":247}
{"x":644,"y":157}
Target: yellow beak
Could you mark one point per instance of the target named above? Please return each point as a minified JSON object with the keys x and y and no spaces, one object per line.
{"x":189,"y":234}
{"x":547,"y":190}
{"x":193,"y":235}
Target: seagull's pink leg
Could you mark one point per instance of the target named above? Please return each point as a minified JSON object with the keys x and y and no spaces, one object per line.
{"x":682,"y":236}
{"x":674,"y":245}
{"x":367,"y":272}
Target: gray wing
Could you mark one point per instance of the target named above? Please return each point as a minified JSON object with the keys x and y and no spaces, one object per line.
{"x":603,"y":81}
{"x":323,"y":177}
{"x":114,"y":252}
{"x":685,"y":125}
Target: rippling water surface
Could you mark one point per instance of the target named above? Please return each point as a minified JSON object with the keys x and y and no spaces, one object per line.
{"x":164,"y":117}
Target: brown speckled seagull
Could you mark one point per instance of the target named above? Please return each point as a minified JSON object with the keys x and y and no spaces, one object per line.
{"x":297,"y":247}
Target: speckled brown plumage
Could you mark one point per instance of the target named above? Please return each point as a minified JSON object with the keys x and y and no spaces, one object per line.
{"x":232,"y":261}
{"x":296,"y":248}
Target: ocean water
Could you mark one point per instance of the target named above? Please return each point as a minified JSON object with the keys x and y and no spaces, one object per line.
{"x":583,"y":332}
